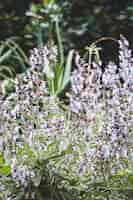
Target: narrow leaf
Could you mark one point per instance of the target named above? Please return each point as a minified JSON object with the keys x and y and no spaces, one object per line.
{"x":5,"y":55}
{"x":67,"y":70}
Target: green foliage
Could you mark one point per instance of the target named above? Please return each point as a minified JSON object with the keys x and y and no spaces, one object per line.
{"x":4,"y":168}
{"x":42,"y":21}
{"x":63,"y":70}
{"x":61,"y":77}
{"x":12,"y":59}
{"x":7,"y":86}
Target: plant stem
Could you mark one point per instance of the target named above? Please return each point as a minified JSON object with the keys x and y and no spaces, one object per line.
{"x":104,"y":39}
{"x":60,"y":45}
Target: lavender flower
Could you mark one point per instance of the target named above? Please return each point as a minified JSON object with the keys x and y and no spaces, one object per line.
{"x":108,"y":95}
{"x":44,"y":59}
{"x":28,"y":115}
{"x":96,"y":131}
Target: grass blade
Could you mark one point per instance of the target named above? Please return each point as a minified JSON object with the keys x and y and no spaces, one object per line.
{"x":60,"y":45}
{"x":5,"y":55}
{"x":67,"y":69}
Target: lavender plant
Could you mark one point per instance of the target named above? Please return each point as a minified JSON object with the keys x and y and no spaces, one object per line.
{"x":56,"y":73}
{"x":32,"y":131}
{"x":83,"y":150}
{"x":102,"y":107}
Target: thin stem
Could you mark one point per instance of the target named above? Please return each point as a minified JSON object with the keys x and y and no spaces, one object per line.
{"x":104,"y":39}
{"x":39,"y":37}
{"x":52,"y":85}
{"x":60,"y":45}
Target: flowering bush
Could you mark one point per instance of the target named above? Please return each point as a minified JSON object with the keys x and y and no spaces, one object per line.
{"x":82,"y":150}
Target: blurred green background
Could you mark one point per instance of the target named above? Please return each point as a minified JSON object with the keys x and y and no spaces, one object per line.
{"x":32,"y":22}
{"x":82,"y":20}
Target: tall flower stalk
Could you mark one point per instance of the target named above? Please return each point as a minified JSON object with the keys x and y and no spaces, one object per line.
{"x":102,"y":103}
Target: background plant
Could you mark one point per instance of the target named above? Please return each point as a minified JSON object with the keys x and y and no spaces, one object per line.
{"x":12,"y":59}
{"x":85,"y":21}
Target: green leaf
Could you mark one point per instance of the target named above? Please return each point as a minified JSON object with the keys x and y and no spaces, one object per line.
{"x":121,"y":173}
{"x":68,"y":150}
{"x":67,"y":70}
{"x":49,"y":72}
{"x":5,"y":55}
{"x":27,"y":116}
{"x":60,"y":45}
{"x":1,"y":49}
{"x":130,"y":178}
{"x":5,"y":170}
{"x":7,"y":69}
{"x":1,"y":159}
{"x":17,"y":48}
{"x":59,"y":77}
{"x":17,"y":53}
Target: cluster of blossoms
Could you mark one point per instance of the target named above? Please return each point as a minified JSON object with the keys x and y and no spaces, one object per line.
{"x":44,"y":59}
{"x":102,"y":104}
{"x":29,"y":116}
{"x":96,"y":131}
